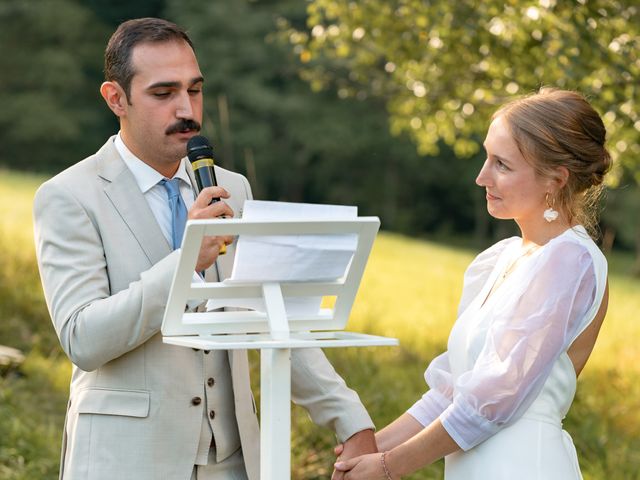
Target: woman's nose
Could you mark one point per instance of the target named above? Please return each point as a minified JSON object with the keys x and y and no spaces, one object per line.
{"x":483,"y":176}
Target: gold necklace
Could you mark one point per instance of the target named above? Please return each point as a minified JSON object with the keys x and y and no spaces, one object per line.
{"x":518,"y":259}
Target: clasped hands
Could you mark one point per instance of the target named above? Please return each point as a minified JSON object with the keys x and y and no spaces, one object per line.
{"x":358,"y":459}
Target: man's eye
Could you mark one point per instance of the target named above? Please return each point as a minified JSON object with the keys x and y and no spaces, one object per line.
{"x":194,"y":91}
{"x":161,"y":94}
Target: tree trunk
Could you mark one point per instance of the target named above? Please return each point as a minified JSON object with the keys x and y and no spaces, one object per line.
{"x":608,"y":237}
{"x":636,"y":266}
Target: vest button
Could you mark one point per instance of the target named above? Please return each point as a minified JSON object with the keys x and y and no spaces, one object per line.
{"x":211,"y":382}
{"x":196,"y":401}
{"x":212,"y":414}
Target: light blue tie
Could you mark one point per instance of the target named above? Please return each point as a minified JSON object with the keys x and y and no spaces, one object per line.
{"x":178,"y":210}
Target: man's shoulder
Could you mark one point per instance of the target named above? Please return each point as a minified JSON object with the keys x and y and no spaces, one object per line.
{"x":223,"y":172}
{"x":80,"y":177}
{"x":233,"y":181}
{"x":86,"y":170}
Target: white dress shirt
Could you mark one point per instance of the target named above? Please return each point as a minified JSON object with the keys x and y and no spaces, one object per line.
{"x":155,"y":194}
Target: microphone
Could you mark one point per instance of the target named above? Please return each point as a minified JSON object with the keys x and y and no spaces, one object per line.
{"x":200,"y":155}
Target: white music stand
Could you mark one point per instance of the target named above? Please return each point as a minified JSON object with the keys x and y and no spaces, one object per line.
{"x":273,"y":332}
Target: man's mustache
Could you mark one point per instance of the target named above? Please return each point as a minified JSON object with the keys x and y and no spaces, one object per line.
{"x":183,"y":126}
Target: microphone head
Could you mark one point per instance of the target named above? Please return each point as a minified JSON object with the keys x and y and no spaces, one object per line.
{"x":198,"y":147}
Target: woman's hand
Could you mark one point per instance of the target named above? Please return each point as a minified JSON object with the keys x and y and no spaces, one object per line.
{"x":364,"y":467}
{"x":361,"y":443}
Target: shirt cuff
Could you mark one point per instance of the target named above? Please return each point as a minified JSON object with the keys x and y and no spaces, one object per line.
{"x":429,"y":407}
{"x":465,"y":425}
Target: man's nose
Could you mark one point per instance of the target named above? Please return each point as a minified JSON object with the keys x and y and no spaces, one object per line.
{"x":184,"y":108}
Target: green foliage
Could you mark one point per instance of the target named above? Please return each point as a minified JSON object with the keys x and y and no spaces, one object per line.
{"x":113,"y":12}
{"x":25,"y":323}
{"x":298,"y":145}
{"x":443,"y":67}
{"x":51,"y":69}
{"x":622,"y":205}
{"x":32,"y":410}
{"x":33,"y":399}
{"x":293,"y":142}
{"x":330,"y":138}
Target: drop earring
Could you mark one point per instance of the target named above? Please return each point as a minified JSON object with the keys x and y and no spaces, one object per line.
{"x":550,"y":214}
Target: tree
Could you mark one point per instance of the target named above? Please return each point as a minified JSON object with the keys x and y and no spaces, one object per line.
{"x":298,"y":145}
{"x":443,"y":67}
{"x":113,"y":12}
{"x":51,"y":68}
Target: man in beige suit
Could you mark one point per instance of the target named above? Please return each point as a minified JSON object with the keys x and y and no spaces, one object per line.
{"x":140,"y":409}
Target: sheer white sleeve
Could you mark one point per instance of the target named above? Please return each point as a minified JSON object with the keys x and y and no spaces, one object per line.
{"x":478,"y":271}
{"x":438,"y":374}
{"x":440,"y":394}
{"x":527,"y":334}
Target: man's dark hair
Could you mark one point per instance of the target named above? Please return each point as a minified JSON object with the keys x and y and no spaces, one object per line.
{"x":117,"y":56}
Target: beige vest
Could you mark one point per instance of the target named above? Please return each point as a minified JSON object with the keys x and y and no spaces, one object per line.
{"x":219,"y":426}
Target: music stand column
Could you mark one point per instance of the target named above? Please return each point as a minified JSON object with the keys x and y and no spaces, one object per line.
{"x":275,"y":392}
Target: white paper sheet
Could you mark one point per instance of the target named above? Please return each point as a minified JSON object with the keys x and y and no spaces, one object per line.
{"x":290,"y":258}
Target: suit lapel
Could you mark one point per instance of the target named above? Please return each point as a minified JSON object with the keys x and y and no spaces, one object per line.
{"x":126,"y":197}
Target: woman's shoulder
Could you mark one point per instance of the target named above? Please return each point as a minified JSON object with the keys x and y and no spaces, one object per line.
{"x":570,"y":256}
{"x":576,"y":242}
{"x":495,"y":250}
{"x":486,"y":260}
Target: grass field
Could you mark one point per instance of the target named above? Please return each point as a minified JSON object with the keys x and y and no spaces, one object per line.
{"x":410,"y":291}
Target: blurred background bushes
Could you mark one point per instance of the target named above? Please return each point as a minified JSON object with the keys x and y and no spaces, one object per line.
{"x":377,"y":104}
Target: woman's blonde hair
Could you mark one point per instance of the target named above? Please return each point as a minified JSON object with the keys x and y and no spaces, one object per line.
{"x":559,"y":128}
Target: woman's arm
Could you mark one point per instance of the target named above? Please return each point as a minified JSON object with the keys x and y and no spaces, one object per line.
{"x":397,"y":432}
{"x":421,"y":449}
{"x":429,"y":445}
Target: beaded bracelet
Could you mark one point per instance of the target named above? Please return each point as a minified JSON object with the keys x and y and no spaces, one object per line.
{"x":384,"y":467}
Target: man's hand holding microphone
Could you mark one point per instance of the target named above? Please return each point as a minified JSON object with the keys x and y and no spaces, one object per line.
{"x":207,"y":204}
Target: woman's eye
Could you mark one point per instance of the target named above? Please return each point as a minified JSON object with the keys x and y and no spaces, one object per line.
{"x":501,"y":165}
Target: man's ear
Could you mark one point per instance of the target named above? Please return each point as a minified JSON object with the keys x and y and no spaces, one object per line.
{"x":115,"y":98}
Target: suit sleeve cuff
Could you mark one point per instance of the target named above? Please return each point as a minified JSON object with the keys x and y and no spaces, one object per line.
{"x":356,"y":420}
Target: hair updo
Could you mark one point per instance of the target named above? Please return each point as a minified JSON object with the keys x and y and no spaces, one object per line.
{"x":558,"y":128}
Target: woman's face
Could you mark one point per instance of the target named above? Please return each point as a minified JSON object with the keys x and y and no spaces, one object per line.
{"x":514,"y":191}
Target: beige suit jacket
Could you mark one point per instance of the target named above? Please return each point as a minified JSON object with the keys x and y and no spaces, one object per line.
{"x":106,"y":270}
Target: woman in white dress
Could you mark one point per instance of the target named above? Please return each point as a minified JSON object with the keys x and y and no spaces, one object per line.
{"x":529,"y":315}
